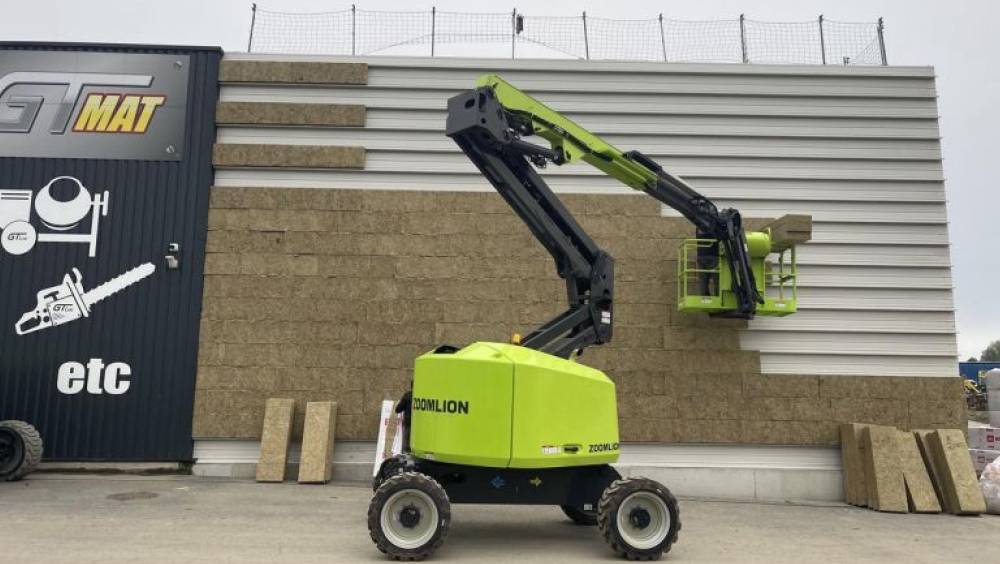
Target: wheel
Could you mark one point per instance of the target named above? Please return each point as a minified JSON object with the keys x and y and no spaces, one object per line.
{"x":580,"y":516}
{"x":638,"y":518}
{"x":409,"y":516}
{"x":20,"y":450}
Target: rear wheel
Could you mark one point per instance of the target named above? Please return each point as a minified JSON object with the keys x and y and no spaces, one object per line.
{"x":639,"y":518}
{"x":20,"y":450}
{"x":586,"y":517}
{"x":409,"y":516}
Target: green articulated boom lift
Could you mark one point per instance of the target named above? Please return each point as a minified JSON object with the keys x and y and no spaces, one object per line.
{"x":523,"y":422}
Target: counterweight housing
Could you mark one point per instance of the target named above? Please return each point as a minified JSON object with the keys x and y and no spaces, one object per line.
{"x":507,"y":406}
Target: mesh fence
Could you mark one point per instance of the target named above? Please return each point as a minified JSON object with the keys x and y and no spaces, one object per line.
{"x":363,"y":32}
{"x":853,"y":43}
{"x":629,"y":40}
{"x":379,"y":32}
{"x":562,"y":35}
{"x":714,"y":41}
{"x":460,"y":27}
{"x":324,"y":33}
{"x":783,"y":42}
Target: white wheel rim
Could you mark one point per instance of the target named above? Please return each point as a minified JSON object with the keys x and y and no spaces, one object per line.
{"x":655,"y":531}
{"x":414,"y":536}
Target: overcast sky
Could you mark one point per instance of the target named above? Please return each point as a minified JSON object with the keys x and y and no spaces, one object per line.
{"x":959,"y":38}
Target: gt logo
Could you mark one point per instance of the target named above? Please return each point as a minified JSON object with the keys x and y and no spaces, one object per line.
{"x":24,"y":107}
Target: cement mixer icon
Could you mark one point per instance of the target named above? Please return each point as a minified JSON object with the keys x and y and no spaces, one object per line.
{"x":59,"y":217}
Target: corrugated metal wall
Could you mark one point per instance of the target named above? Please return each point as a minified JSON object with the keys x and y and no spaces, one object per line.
{"x":857,"y":148}
{"x":152,"y":327}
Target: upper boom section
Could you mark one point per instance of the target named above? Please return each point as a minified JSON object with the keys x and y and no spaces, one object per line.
{"x":571,"y":142}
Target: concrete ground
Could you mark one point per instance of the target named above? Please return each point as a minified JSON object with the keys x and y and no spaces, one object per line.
{"x":80,"y":519}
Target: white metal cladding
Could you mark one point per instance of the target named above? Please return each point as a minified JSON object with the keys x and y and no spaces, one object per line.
{"x":858,"y":148}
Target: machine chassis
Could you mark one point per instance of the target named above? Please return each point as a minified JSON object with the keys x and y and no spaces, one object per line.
{"x":578,"y":487}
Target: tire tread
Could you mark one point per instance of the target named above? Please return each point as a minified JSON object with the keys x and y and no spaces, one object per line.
{"x":385,"y":490}
{"x":33,"y":449}
{"x":616,"y":493}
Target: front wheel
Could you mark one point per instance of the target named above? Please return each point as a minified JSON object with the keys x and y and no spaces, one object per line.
{"x":409,"y":516}
{"x":639,"y":518}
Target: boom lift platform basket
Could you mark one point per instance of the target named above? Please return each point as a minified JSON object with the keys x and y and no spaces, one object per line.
{"x":704,"y":284}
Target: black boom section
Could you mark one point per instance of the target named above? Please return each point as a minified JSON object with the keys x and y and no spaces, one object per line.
{"x":478,"y":124}
{"x":726,"y":226}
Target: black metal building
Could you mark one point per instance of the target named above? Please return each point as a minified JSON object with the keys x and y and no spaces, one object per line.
{"x":105,"y":170}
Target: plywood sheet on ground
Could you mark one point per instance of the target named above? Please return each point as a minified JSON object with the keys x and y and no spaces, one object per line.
{"x":886,"y":485}
{"x":855,"y":489}
{"x":274,"y":439}
{"x":317,"y":442}
{"x":951,"y":452}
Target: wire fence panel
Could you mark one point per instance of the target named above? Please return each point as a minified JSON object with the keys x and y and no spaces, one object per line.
{"x":784,"y":42}
{"x":560,"y":34}
{"x":714,"y":41}
{"x":624,"y":40}
{"x":418,"y":33}
{"x":383,"y":33}
{"x":462,"y":27}
{"x":854,"y":43}
{"x":320,"y":33}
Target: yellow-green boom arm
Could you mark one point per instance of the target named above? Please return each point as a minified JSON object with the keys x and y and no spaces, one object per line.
{"x":569,"y":139}
{"x":490,"y":123}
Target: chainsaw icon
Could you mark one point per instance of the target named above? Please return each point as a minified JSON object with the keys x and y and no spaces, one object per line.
{"x":68,"y":301}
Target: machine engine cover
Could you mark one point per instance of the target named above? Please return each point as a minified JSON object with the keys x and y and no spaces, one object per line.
{"x":507,"y":406}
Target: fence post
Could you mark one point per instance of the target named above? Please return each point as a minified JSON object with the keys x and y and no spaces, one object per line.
{"x":743,"y":38}
{"x":253,"y":20}
{"x":433,"y":25}
{"x":354,"y":30}
{"x":881,"y":41}
{"x":663,"y":40}
{"x":822,"y":40}
{"x":513,"y":32}
{"x":586,"y":40}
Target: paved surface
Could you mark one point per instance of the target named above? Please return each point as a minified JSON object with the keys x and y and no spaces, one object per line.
{"x":81,"y":519}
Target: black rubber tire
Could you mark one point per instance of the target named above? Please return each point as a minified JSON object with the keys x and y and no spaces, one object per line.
{"x":580,"y":516}
{"x":607,"y":517}
{"x":409,"y":481}
{"x":29,"y":450}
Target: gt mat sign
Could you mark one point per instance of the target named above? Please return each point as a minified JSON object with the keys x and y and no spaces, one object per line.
{"x":93,"y":105}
